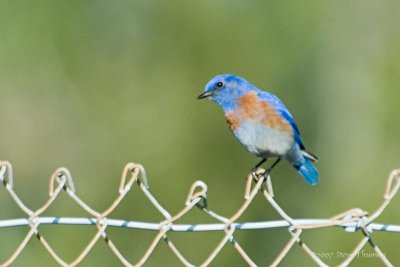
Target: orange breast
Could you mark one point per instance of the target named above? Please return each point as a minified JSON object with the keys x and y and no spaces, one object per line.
{"x":250,"y":107}
{"x":232,"y":120}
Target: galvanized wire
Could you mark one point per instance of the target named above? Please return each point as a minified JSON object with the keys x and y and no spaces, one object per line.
{"x":354,"y":220}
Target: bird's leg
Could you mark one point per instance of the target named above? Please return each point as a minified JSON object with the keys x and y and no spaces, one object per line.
{"x":259,"y":164}
{"x":268,"y":171}
{"x":254,"y":170}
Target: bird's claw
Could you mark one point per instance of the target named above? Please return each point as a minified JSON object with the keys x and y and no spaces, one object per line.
{"x":258,"y":173}
{"x":266,"y":173}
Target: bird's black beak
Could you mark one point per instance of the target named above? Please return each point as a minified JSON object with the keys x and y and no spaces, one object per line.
{"x":205,"y":94}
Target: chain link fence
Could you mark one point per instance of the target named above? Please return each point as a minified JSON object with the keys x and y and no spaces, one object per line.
{"x":134,"y":176}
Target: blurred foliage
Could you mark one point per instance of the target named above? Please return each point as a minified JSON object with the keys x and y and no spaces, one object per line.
{"x":92,"y":85}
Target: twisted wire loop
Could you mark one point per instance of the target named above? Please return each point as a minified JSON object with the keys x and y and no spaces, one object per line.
{"x":354,"y":220}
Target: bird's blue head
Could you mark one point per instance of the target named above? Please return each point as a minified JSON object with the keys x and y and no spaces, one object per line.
{"x":225,"y":89}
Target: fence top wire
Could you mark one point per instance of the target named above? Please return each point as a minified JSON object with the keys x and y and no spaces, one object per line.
{"x":354,"y":220}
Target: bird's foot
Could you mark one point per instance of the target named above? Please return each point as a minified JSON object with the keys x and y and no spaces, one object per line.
{"x":266,"y":173}
{"x":258,"y":173}
{"x":254,"y":176}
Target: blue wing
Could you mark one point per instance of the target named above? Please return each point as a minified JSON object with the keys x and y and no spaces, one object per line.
{"x":282,"y":110}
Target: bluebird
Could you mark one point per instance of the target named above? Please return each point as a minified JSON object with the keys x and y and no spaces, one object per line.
{"x":261,"y":123}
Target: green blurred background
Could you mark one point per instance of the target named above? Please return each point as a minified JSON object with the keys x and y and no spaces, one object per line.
{"x":93,"y":85}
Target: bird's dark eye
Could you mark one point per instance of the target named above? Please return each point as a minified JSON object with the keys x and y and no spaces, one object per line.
{"x":219,"y":84}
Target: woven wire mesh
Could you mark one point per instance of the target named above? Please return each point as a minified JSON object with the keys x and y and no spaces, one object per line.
{"x":133,"y":176}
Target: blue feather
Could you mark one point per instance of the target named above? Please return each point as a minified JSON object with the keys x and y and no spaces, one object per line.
{"x":308,"y":171}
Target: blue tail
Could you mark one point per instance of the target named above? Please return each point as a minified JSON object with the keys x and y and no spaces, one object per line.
{"x":308,"y":171}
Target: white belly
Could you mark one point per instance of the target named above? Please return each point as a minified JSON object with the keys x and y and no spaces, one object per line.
{"x":262,"y":140}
